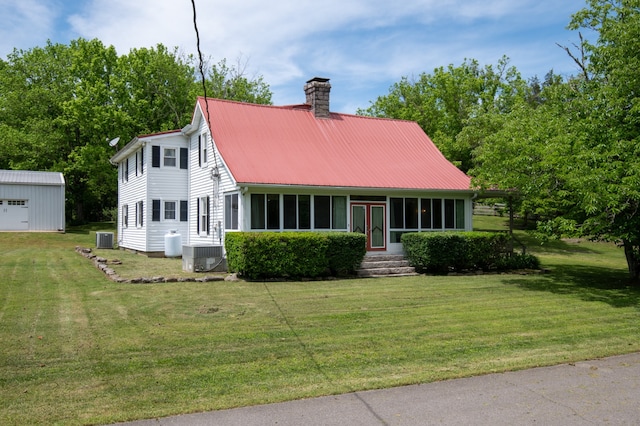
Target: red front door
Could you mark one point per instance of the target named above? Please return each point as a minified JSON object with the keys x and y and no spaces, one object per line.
{"x":369,"y":219}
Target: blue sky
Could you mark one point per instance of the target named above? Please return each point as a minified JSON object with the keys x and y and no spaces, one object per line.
{"x":363,"y":46}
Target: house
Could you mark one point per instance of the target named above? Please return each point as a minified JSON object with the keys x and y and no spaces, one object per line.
{"x":32,"y":201}
{"x":290,"y":168}
{"x":152,"y":190}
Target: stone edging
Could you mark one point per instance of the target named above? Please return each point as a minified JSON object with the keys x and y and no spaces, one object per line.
{"x":103,"y":264}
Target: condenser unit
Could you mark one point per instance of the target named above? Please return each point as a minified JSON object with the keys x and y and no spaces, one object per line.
{"x":201,"y":258}
{"x":104,"y":240}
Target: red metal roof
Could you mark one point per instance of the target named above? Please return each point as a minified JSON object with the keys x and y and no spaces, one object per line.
{"x":288,"y":146}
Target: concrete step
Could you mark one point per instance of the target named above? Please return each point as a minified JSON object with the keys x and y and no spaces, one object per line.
{"x":383,"y":264}
{"x":376,"y":265}
{"x":387,"y":272}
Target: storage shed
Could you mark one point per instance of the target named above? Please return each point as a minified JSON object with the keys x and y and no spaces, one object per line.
{"x":32,"y":201}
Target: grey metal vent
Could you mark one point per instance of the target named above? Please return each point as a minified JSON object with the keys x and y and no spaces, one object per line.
{"x":202,"y":258}
{"x":104,"y":240}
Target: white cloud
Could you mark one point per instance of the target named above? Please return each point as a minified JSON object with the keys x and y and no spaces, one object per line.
{"x":25,"y":24}
{"x":357,"y":43}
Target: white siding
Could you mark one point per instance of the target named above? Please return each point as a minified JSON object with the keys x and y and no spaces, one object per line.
{"x":45,"y":204}
{"x":130,"y":192}
{"x":162,"y":183}
{"x":203,"y":184}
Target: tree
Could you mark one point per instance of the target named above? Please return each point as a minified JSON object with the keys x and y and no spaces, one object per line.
{"x":61,"y":104}
{"x":576,"y":158}
{"x":443,"y":102}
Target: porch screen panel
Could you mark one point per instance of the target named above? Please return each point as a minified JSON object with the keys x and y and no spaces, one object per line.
{"x":290,"y":211}
{"x":304,"y":211}
{"x":322,"y":210}
{"x":273,"y":211}
{"x":397,"y":213}
{"x":459,"y":214}
{"x":257,"y":211}
{"x":411,"y":213}
{"x":449,"y":214}
{"x":339,"y":212}
{"x":437,"y":213}
{"x":425,"y":213}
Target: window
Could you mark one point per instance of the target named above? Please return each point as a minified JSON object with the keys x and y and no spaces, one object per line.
{"x":296,"y":211}
{"x":169,"y":157}
{"x":330,"y":212}
{"x":203,"y":216}
{"x":338,"y":212}
{"x":322,"y":210}
{"x":460,"y":222}
{"x":126,"y":170}
{"x":304,"y":211}
{"x":125,"y":216}
{"x":273,"y":211}
{"x":411,"y":214}
{"x":425,"y":213}
{"x":437,"y":213}
{"x":139,"y":213}
{"x":231,"y":211}
{"x":290,"y":211}
{"x":169,"y":210}
{"x":265,"y":210}
{"x":202,"y":150}
{"x":257,"y":211}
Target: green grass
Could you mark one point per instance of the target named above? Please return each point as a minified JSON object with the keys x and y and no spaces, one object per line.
{"x":80,"y":349}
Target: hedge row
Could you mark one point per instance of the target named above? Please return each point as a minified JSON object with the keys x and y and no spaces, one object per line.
{"x":441,"y":252}
{"x":259,"y":255}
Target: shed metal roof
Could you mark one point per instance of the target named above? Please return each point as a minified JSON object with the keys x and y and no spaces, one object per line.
{"x":29,"y":177}
{"x":269,"y":145}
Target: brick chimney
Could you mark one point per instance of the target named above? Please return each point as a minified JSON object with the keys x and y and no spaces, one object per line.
{"x":317,"y":90}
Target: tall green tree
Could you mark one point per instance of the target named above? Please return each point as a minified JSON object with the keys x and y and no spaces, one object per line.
{"x":576,"y":158}
{"x":442,"y":102}
{"x":61,"y":104}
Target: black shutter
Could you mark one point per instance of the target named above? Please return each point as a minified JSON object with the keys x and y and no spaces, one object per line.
{"x":142,"y":161}
{"x":155,"y":211}
{"x":184,"y":157}
{"x":200,"y":150}
{"x":208,"y":212}
{"x":136,"y":163}
{"x":155,"y":156}
{"x":198,"y":215}
{"x":184,"y":211}
{"x":126,"y":169}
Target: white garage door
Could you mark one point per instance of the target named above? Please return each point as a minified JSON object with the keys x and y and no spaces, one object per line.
{"x":14,"y":215}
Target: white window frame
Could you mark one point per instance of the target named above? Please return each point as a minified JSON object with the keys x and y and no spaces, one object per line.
{"x":167,"y":158}
{"x":139,"y":214}
{"x":175,"y":211}
{"x":203,"y":220}
{"x":125,"y":216}
{"x":234,"y":220}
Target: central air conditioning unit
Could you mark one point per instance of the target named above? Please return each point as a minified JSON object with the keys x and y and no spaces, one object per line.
{"x":202,"y":258}
{"x":104,"y":240}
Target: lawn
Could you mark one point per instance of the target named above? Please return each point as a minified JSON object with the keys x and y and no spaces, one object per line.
{"x":78,"y":348}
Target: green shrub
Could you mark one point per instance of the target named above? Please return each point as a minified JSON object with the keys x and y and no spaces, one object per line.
{"x":441,"y":252}
{"x":518,"y":261}
{"x":345,"y":252}
{"x":259,"y":255}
